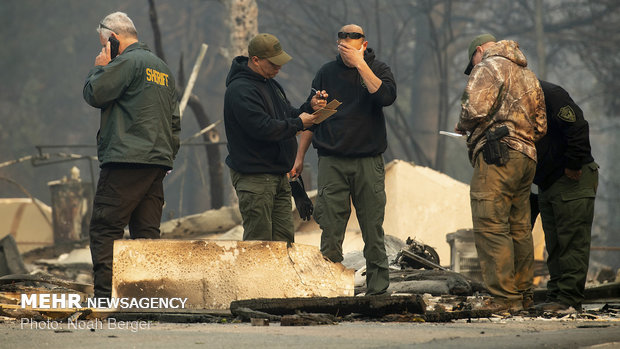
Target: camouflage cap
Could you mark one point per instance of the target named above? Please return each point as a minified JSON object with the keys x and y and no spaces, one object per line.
{"x":477,"y":41}
{"x":268,"y":46}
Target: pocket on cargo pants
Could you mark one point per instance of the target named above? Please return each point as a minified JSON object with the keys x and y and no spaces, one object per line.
{"x":255,"y":205}
{"x":482,"y":204}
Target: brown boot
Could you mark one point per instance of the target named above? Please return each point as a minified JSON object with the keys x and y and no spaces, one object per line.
{"x":516,"y":306}
{"x":498,"y":305}
{"x":528,"y":303}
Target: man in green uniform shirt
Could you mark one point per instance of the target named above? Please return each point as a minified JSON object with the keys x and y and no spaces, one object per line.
{"x":137,"y":141}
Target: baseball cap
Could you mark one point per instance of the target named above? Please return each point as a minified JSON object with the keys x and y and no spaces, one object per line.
{"x":477,"y":41}
{"x":268,"y":46}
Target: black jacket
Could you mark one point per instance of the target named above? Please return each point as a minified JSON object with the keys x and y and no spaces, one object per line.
{"x":358,"y":128}
{"x":260,"y":122}
{"x":567,"y":142}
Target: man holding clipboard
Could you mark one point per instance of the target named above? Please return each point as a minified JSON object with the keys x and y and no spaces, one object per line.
{"x":260,"y":127}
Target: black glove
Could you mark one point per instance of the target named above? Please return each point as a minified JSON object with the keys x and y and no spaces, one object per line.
{"x":302,"y":201}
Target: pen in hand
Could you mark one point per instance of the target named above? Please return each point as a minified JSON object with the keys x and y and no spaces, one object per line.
{"x":315,"y":91}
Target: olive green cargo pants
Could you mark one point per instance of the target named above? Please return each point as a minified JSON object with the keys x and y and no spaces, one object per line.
{"x":362,"y":181}
{"x":265,"y":205}
{"x":500,"y":210}
{"x":567,"y":211}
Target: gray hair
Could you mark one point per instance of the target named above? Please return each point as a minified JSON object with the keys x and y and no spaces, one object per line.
{"x":119,"y":23}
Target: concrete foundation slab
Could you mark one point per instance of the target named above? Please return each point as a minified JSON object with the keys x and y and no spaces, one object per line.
{"x":211,"y":274}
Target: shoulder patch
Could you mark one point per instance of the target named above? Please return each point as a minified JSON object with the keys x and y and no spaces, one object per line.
{"x":567,"y":114}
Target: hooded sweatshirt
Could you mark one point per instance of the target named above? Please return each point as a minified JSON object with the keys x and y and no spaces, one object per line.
{"x":501,"y":91}
{"x":357,"y":129}
{"x":260,"y":122}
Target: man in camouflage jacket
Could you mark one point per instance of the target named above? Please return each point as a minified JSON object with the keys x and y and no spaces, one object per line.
{"x":502,"y":94}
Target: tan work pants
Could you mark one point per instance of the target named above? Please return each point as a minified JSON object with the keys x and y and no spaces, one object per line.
{"x":502,"y":229}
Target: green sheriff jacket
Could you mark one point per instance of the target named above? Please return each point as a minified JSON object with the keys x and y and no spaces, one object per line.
{"x":140,"y":120}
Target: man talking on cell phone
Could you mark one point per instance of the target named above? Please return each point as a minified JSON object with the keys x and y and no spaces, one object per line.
{"x":137,"y":141}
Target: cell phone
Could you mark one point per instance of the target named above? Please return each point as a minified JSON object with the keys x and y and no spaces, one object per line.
{"x":114,"y":44}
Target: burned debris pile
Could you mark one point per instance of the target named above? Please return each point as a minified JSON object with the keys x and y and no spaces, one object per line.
{"x":421,"y":289}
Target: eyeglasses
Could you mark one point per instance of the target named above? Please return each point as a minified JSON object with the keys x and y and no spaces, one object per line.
{"x":354,"y":36}
{"x":103,"y":26}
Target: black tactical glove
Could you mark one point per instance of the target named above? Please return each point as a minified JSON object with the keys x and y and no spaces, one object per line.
{"x":302,"y":201}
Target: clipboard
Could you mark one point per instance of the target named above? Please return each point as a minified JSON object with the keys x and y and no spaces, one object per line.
{"x":327,"y":111}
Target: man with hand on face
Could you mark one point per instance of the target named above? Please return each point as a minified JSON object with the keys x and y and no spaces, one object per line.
{"x":137,"y":141}
{"x":350,"y":145}
{"x":260,"y":127}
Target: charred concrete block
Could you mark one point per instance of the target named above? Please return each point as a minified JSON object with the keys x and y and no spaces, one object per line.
{"x":211,"y":274}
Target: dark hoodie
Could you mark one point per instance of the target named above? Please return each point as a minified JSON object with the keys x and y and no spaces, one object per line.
{"x":260,"y":122}
{"x":358,"y":128}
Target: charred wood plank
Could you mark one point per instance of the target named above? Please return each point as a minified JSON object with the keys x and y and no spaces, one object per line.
{"x":609,"y":290}
{"x":606,"y":291}
{"x":247,"y":314}
{"x":304,"y":319}
{"x":455,"y":315}
{"x":338,"y":306}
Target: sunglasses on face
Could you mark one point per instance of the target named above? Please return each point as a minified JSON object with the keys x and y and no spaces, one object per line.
{"x":354,"y":36}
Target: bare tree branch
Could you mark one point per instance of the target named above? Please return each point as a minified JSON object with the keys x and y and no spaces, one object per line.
{"x":213,"y":154}
{"x":159,"y":49}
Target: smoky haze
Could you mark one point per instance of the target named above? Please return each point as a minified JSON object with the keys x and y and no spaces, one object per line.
{"x":49,"y":47}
